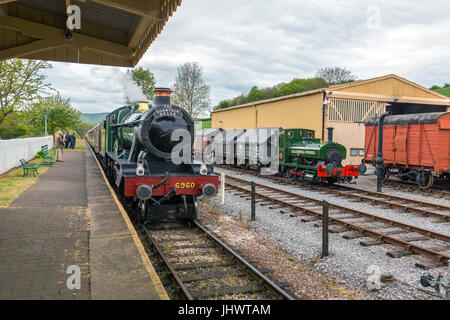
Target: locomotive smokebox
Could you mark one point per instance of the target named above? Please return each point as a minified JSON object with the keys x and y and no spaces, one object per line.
{"x":162,"y":96}
{"x":330,"y":134}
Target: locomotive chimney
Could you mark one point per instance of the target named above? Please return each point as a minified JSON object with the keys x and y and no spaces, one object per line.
{"x":162,"y":96}
{"x":330,"y":134}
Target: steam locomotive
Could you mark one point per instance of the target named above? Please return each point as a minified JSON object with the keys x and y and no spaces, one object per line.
{"x":146,"y":153}
{"x":300,"y":156}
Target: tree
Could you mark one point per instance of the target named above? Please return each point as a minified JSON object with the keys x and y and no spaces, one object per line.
{"x":255,"y":94}
{"x":223,"y":105}
{"x":82,"y":127}
{"x":144,"y":79}
{"x":60,"y":114}
{"x":190,"y":91}
{"x":21,"y":83}
{"x":12,"y":127}
{"x":278,"y":90}
{"x":335,"y":75}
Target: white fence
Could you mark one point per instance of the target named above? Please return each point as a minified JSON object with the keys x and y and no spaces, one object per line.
{"x":11,"y":151}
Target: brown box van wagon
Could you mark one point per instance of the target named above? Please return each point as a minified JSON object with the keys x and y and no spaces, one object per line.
{"x":415,"y":146}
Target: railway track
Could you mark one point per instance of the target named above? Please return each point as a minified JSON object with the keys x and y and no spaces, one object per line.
{"x":353,"y":223}
{"x":206,"y":268}
{"x":406,"y":205}
{"x":437,"y":191}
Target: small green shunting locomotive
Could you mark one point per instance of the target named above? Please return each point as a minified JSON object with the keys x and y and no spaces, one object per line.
{"x":303,"y":157}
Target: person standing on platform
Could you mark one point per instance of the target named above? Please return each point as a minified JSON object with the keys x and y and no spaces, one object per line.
{"x":59,"y":143}
{"x":73,"y":140}
{"x":67,"y":140}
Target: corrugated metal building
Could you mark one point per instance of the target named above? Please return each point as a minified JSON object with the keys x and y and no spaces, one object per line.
{"x":343,"y":107}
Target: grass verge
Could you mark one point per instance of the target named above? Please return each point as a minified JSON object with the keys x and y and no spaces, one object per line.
{"x":80,"y":145}
{"x":12,"y":185}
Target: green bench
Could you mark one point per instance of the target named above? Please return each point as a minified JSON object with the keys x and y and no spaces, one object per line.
{"x":47,"y":157}
{"x":27,"y":168}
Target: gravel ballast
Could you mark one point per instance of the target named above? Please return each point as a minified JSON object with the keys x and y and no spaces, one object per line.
{"x":348,"y":260}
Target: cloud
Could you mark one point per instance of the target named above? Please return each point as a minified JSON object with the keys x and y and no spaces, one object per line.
{"x":244,"y":43}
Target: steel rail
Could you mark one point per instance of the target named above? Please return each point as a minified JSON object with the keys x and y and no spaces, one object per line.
{"x":425,"y":232}
{"x":169,"y":265}
{"x":252,"y":269}
{"x":435,"y":191}
{"x":255,"y":274}
{"x":405,"y":207}
{"x":397,"y":198}
{"x":382,"y":237}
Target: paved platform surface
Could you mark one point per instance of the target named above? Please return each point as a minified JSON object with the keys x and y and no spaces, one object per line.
{"x":69,"y":218}
{"x":118,"y":269}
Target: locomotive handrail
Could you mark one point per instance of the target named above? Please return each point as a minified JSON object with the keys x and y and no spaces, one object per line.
{"x":127,"y":124}
{"x":166,"y":177}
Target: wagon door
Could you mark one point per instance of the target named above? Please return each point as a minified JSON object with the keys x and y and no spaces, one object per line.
{"x":401,"y":135}
{"x":370,"y":142}
{"x":389,"y":144}
{"x":443,"y":144}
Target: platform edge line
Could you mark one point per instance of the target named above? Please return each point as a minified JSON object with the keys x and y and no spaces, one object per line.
{"x":160,"y":290}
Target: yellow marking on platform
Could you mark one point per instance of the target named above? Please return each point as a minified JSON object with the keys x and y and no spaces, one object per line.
{"x":156,"y":281}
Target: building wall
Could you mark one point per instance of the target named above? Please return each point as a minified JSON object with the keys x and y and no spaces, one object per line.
{"x":240,"y":118}
{"x":350,"y":135}
{"x":347,"y":117}
{"x":301,"y":112}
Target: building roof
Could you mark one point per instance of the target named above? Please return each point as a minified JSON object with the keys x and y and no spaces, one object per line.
{"x":386,"y":77}
{"x":339,"y":88}
{"x":414,"y":118}
{"x":113,"y":32}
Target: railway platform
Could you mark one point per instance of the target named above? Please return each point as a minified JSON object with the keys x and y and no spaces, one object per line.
{"x":68,"y":237}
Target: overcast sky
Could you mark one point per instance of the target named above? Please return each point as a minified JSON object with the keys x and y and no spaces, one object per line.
{"x":263,"y":42}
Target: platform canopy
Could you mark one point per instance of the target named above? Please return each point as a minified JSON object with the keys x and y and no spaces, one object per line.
{"x":113,"y":32}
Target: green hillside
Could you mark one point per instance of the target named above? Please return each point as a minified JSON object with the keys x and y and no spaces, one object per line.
{"x":93,"y":118}
{"x":444,"y":91}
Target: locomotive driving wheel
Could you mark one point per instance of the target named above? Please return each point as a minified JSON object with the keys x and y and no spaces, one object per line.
{"x":142,"y":211}
{"x":292,"y":176}
{"x":285,"y":172}
{"x":425,"y":180}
